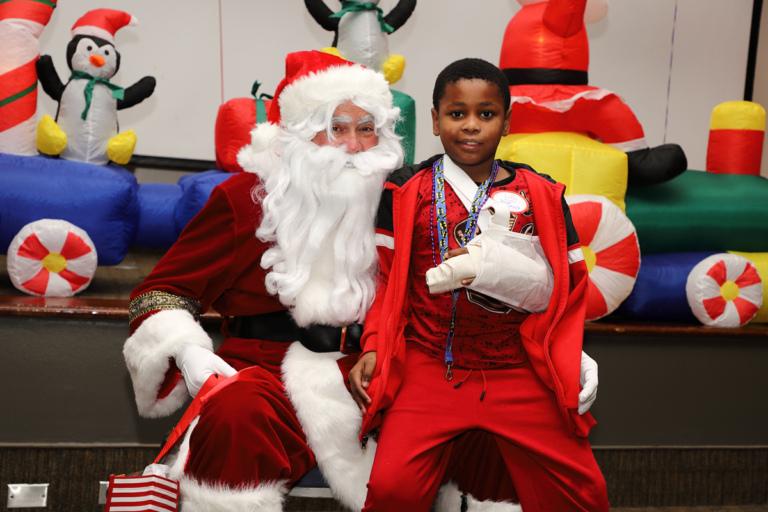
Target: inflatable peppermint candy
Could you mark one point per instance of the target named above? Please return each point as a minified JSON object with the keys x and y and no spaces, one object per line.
{"x":724,"y":290}
{"x":611,"y":251}
{"x":51,"y":258}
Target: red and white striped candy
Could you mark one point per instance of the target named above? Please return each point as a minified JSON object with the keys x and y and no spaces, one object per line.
{"x":724,"y":290}
{"x":611,"y":251}
{"x":51,"y":258}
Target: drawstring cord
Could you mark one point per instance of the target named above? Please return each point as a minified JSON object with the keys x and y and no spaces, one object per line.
{"x":485,"y":384}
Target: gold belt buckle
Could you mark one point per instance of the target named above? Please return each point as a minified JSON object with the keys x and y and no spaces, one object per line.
{"x":343,"y":338}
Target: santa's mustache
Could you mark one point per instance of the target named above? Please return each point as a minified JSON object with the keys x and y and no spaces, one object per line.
{"x":329,"y":161}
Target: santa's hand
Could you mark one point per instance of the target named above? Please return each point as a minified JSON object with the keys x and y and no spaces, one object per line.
{"x":588,"y":381}
{"x":360,"y":378}
{"x":197,"y":364}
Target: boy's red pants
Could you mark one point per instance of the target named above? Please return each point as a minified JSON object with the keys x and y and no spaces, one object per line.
{"x":551,"y":470}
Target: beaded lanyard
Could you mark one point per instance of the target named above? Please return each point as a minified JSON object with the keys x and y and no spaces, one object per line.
{"x":439,"y":215}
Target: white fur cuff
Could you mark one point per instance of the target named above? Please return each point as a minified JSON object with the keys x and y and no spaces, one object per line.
{"x":331,"y":420}
{"x":449,"y":498}
{"x":198,"y":497}
{"x":148,"y":354}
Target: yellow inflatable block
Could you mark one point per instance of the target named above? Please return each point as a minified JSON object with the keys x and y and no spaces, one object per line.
{"x":583,"y":165}
{"x":738,"y":115}
{"x":120,"y":147}
{"x":760,"y":261}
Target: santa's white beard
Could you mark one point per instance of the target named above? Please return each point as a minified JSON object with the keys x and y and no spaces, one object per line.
{"x":319,"y":211}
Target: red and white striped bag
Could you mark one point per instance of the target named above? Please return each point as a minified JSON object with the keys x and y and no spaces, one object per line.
{"x":155,"y":493}
{"x":142,"y":494}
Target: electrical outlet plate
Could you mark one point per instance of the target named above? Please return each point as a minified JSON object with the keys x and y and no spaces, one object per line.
{"x":103,"y":486}
{"x":27,"y":495}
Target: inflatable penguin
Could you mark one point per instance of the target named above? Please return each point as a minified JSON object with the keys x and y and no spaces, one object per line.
{"x":360,"y":32}
{"x":545,"y":55}
{"x":86,"y":126}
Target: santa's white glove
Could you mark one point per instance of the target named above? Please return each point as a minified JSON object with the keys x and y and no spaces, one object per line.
{"x":588,"y":381}
{"x":197,"y":364}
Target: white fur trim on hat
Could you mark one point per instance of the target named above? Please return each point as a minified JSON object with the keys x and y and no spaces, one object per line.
{"x":302,"y":97}
{"x":103,"y":23}
{"x":200,"y":497}
{"x":254,"y":157}
{"x":148,"y":354}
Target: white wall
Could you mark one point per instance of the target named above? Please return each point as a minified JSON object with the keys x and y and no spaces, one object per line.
{"x":760,"y":94}
{"x":203,"y":52}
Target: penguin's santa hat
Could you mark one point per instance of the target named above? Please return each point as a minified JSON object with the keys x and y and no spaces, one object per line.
{"x":103,"y":23}
{"x":314,"y":79}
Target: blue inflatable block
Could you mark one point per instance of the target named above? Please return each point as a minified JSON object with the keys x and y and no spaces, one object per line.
{"x":157,"y":204}
{"x":659,"y":291}
{"x":195,"y":191}
{"x":100,"y":199}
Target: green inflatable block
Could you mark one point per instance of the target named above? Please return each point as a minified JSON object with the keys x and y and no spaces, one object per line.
{"x":406,"y":127}
{"x":701,"y":211}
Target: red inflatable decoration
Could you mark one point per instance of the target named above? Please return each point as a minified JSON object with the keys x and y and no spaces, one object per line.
{"x":545,"y":55}
{"x":736,"y":134}
{"x":234,"y":122}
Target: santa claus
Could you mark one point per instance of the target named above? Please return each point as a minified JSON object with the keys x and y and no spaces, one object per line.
{"x":284,"y":252}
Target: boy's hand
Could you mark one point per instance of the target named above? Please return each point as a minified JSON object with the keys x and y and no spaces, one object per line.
{"x":360,"y":379}
{"x":588,"y":381}
{"x":457,"y":252}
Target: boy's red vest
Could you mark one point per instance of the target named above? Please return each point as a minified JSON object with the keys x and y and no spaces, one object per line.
{"x":552,"y":339}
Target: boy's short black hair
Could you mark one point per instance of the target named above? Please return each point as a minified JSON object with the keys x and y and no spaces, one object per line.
{"x":471,"y":69}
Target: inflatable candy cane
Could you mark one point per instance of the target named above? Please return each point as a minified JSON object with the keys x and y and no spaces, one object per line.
{"x":21,"y":23}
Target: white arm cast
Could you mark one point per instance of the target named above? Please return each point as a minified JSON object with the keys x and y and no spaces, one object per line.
{"x":507,"y":266}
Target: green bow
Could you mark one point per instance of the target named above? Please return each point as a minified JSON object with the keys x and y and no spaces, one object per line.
{"x":117,"y":92}
{"x":352,"y":6}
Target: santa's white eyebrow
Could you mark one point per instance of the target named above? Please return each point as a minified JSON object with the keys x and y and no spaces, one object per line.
{"x":344,"y":119}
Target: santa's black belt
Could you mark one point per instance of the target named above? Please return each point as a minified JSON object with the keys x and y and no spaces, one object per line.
{"x":279,"y":326}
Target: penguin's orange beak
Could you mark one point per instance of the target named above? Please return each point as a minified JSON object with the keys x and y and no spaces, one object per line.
{"x":97,"y":60}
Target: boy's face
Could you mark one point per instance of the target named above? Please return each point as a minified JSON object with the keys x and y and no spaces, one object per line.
{"x":470,"y":122}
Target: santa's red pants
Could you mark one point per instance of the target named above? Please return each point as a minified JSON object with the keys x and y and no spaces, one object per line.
{"x":248,"y":432}
{"x":551,"y":470}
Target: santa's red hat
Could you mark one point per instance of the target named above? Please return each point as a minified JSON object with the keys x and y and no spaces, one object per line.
{"x":313,"y":79}
{"x":102,"y":23}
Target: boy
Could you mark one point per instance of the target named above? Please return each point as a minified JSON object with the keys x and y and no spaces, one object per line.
{"x":512,"y":339}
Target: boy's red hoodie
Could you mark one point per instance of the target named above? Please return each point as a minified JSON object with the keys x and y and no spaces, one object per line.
{"x":552,"y":339}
